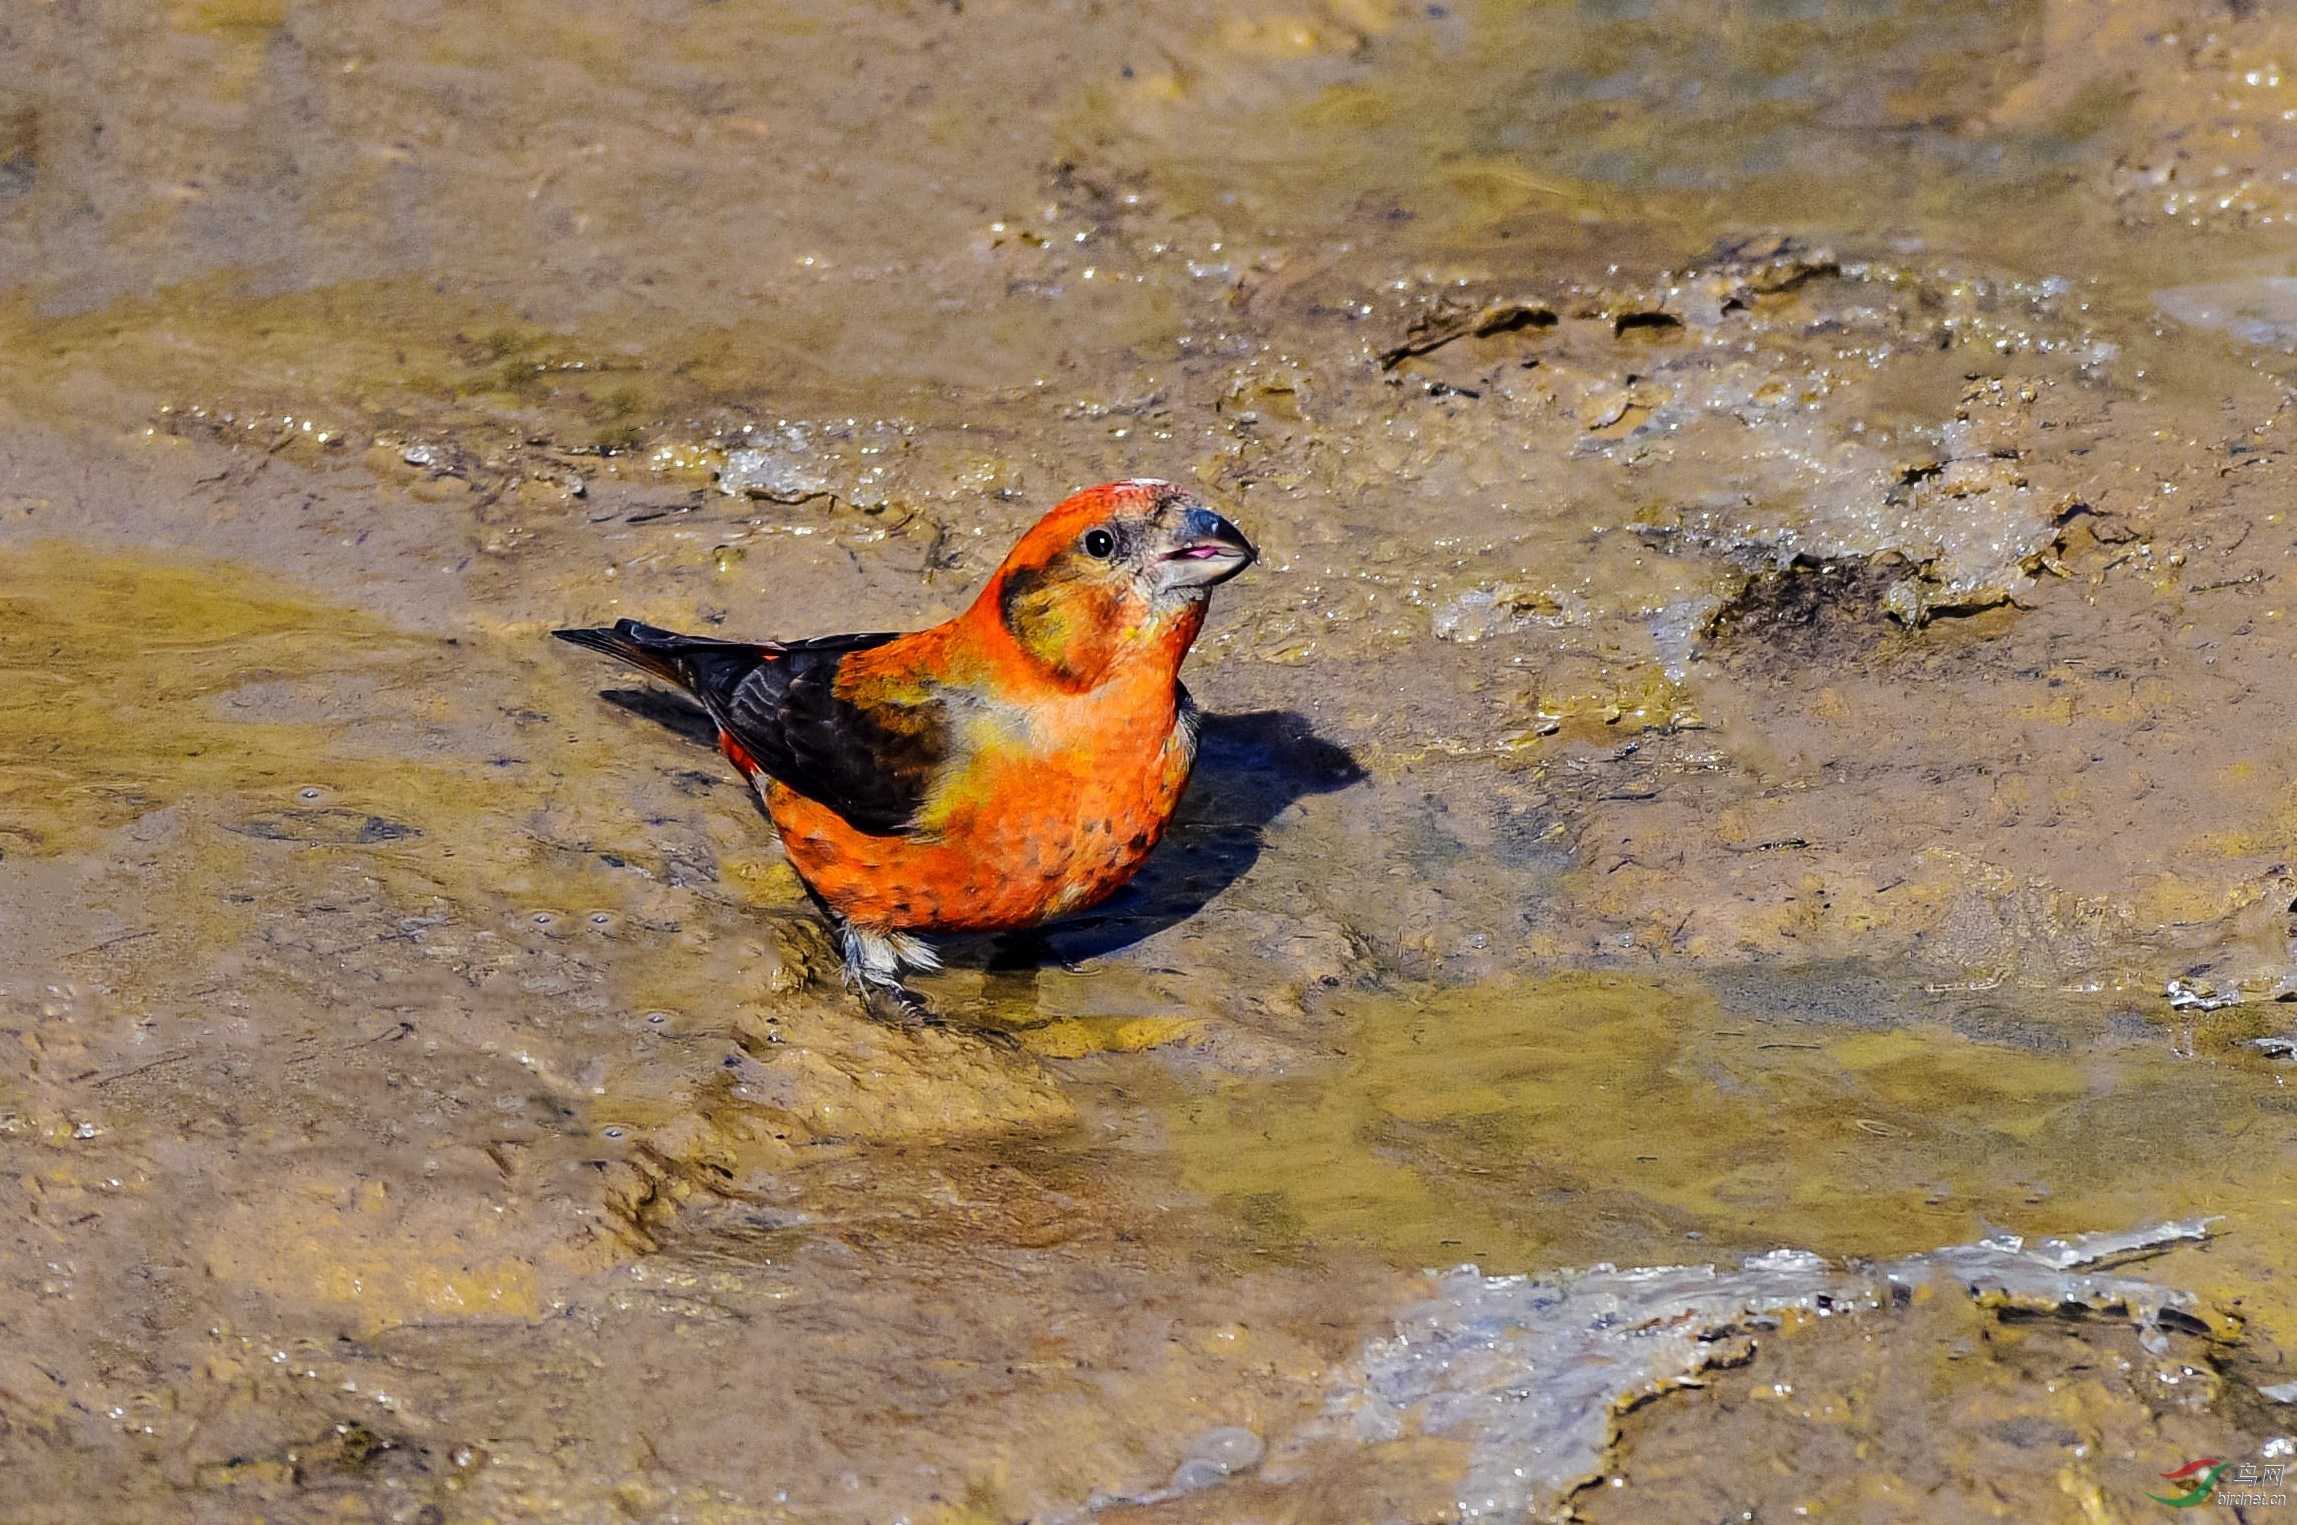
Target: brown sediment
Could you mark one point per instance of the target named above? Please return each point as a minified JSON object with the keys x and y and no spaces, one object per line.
{"x":1767,"y":665}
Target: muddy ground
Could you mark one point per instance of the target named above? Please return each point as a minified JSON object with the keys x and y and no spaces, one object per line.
{"x":1768,"y":674}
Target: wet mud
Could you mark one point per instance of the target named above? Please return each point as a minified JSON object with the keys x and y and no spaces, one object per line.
{"x":1758,"y":745}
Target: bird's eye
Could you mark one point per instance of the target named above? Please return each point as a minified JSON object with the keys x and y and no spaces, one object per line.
{"x":1100,"y":543}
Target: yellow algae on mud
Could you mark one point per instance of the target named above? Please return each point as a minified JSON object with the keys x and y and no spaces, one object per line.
{"x":253,"y":17}
{"x":383,"y":353}
{"x":109,"y":666}
{"x":131,"y":683}
{"x":1535,"y":1122}
{"x":1075,"y":1037}
{"x":350,"y":1247}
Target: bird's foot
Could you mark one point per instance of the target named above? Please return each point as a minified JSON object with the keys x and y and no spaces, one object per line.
{"x":897,"y":1005}
{"x":901,"y":1007}
{"x":875,"y":961}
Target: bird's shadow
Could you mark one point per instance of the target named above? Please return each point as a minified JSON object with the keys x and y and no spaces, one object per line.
{"x":672,"y":712}
{"x":1250,"y":768}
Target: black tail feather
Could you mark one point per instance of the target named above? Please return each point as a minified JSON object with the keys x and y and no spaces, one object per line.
{"x":704,"y":666}
{"x":642,"y":646}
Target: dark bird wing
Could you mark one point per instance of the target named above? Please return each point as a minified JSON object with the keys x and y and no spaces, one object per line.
{"x":778,"y":703}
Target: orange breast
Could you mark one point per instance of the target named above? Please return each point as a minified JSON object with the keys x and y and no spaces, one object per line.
{"x":1021,"y":833}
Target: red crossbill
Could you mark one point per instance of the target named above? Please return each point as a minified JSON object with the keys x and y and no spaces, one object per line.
{"x":1012,"y":765}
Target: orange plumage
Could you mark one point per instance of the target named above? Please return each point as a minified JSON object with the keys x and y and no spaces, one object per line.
{"x":1011,"y":765}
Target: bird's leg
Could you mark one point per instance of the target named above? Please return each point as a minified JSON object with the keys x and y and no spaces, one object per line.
{"x":875,"y":959}
{"x":874,"y":962}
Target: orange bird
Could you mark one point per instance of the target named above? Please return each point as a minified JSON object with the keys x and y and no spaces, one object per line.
{"x":991,"y":773}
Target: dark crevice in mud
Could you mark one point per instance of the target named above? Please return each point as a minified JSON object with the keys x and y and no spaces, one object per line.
{"x":639,"y":1197}
{"x":1432,"y":331}
{"x":19,"y":152}
{"x":1737,"y":273}
{"x":1814,"y":610}
{"x":1765,"y":264}
{"x":348,"y":1456}
{"x":1650,"y":322}
{"x":645,"y":1193}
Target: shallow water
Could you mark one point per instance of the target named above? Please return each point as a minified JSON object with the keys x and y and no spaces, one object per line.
{"x":1766,"y":673}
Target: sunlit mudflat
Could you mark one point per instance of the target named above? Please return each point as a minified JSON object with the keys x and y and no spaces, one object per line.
{"x":1749,"y":797}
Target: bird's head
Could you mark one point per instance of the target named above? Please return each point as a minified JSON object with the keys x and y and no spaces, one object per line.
{"x":1114,"y":576}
